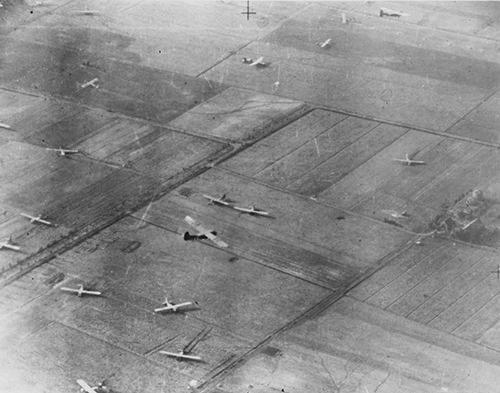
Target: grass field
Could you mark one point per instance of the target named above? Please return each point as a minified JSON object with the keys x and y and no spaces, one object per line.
{"x":337,"y":291}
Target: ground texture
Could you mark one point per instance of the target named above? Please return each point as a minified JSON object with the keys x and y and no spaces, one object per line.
{"x":368,"y":276}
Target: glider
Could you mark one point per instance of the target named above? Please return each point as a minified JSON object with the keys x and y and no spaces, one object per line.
{"x":184,"y":354}
{"x":408,"y":161}
{"x":8,"y":244}
{"x":217,"y":201}
{"x":80,"y":291}
{"x":251,"y":210}
{"x":172,"y":306}
{"x":36,"y":219}
{"x":94,"y":83}
{"x":63,"y":152}
{"x":396,"y":214}
{"x":325,"y":44}
{"x":203,"y":231}
{"x":259,"y":62}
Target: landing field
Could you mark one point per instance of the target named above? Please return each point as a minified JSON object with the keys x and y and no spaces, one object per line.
{"x":124,"y":162}
{"x":325,"y":245}
{"x":368,"y":275}
{"x":356,"y":348}
{"x":450,"y":287}
{"x":120,"y":262}
{"x":406,"y":75}
{"x":348,"y":162}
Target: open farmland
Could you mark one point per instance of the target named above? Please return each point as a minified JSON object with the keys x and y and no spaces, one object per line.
{"x":361,"y":274}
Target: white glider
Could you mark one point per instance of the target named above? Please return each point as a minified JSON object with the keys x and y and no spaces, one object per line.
{"x":396,"y":214}
{"x":80,"y":291}
{"x":185,"y":353}
{"x":8,"y":244}
{"x":63,"y":152}
{"x":251,"y":210}
{"x":325,"y":44}
{"x":181,"y":355}
{"x":203,"y":231}
{"x":259,"y":62}
{"x":93,"y":83}
{"x":172,"y":306}
{"x":409,"y":161}
{"x":85,"y":387}
{"x":3,"y":125}
{"x":218,"y":201}
{"x":36,"y":219}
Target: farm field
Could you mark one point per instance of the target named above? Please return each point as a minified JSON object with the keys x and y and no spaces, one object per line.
{"x":335,"y":267}
{"x":349,"y":162}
